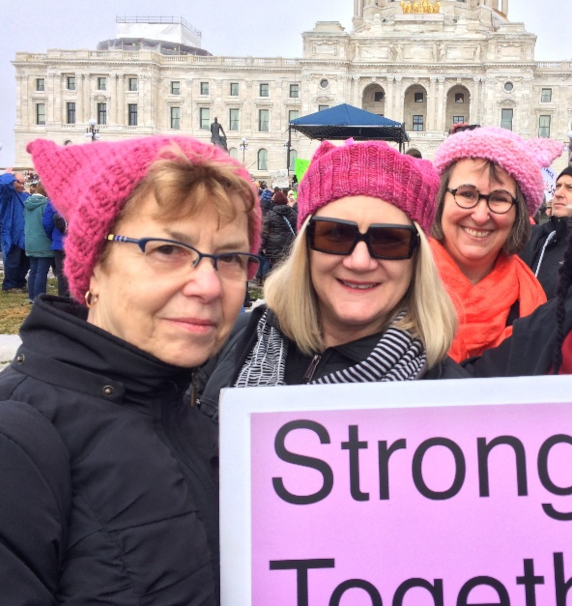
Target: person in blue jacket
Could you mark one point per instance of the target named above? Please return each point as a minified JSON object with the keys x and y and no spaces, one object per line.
{"x":16,"y":264}
{"x":55,"y":227}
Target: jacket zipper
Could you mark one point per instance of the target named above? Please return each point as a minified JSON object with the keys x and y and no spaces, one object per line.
{"x":309,"y":374}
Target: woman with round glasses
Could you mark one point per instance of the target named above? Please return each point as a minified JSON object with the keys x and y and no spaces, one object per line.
{"x":108,"y":482}
{"x":491,"y":183}
{"x":359,"y":298}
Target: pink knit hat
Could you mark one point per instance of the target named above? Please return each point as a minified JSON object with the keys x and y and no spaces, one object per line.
{"x":370,"y":168}
{"x":521,"y":159}
{"x":90,"y":183}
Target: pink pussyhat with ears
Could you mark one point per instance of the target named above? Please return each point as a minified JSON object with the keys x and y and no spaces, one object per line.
{"x":89,"y":184}
{"x":369,"y":168}
{"x":522,"y":159}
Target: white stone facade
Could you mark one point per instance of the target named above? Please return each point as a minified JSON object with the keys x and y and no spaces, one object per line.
{"x":467,"y":62}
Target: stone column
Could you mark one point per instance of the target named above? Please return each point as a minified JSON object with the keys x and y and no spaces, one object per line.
{"x":112,"y":96}
{"x":398,"y":103}
{"x":431,"y":103}
{"x":389,"y":97}
{"x":474,"y":116}
{"x":441,"y":102}
{"x":121,"y":117}
{"x":20,"y":94}
{"x":80,"y":83}
{"x":88,"y":111}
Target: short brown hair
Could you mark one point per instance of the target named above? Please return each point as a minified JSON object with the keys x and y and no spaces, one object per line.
{"x":182,"y":188}
{"x":520,"y":232}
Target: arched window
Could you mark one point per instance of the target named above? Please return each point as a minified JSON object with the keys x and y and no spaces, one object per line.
{"x":293,"y":156}
{"x":262,"y":159}
{"x":233,"y":153}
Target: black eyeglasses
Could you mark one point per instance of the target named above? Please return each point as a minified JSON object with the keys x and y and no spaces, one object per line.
{"x":383,"y":241}
{"x":176,"y":257}
{"x":499,"y":201}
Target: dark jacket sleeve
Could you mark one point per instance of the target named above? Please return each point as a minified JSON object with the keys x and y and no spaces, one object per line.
{"x":35,"y":496}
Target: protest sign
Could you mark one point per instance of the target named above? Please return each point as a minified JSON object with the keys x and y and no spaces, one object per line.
{"x":279,"y":178}
{"x":429,"y":493}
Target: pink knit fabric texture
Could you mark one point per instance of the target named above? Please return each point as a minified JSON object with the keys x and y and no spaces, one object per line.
{"x":370,"y":168}
{"x":90,"y":183}
{"x":521,"y":159}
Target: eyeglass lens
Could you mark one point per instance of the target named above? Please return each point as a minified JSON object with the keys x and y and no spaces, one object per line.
{"x":385,"y":242}
{"x":173,"y":257}
{"x":468,"y":196}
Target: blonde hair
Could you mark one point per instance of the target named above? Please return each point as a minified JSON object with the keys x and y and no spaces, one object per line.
{"x":429,"y":312}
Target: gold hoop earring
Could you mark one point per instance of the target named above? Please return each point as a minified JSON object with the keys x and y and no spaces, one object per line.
{"x":90,"y":299}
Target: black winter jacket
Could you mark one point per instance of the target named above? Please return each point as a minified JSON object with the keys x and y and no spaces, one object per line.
{"x":530,"y":349}
{"x":545,"y":251}
{"x":277,"y":234}
{"x":222,"y":371}
{"x":108,"y":488}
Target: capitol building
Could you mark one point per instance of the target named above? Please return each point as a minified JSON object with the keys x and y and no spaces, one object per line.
{"x":421,"y":63}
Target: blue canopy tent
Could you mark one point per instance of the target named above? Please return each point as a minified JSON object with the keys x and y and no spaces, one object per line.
{"x":346,"y":121}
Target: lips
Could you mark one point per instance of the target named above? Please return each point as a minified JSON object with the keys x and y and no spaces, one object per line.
{"x":358,"y":285}
{"x":197,"y":325}
{"x":476,"y":233}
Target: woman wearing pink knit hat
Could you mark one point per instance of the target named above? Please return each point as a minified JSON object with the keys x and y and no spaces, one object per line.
{"x":108,"y":487}
{"x":491,"y":183}
{"x":359,"y":298}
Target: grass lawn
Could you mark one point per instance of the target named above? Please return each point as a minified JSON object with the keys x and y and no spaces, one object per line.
{"x":14,"y":307}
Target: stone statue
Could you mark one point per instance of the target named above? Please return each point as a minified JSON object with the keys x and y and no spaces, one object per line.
{"x":216,"y":138}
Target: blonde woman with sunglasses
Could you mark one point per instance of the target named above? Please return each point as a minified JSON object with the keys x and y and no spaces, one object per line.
{"x":359,"y":298}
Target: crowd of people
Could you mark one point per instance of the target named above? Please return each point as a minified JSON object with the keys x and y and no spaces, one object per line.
{"x":32,"y":236}
{"x":378,"y":267}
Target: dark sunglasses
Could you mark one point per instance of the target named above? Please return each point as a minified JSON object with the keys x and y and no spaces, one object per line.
{"x":383,"y":241}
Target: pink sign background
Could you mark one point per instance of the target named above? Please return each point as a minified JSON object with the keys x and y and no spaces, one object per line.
{"x":387,"y":542}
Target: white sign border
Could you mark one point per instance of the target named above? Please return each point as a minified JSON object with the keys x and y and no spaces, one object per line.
{"x":237,"y":405}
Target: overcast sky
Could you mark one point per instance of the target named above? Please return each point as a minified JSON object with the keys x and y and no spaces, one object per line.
{"x":260,"y":28}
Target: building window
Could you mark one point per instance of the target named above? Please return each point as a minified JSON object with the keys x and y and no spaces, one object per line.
{"x":101,"y":83}
{"x":546,"y":95}
{"x":294,"y":91}
{"x":506,"y":119}
{"x":70,"y":113}
{"x":204,"y":88}
{"x":509,"y":87}
{"x":40,"y":84}
{"x":293,"y":114}
{"x":262,"y":159}
{"x":418,"y":123}
{"x":71,"y":82}
{"x":458,"y":119}
{"x":234,"y":89}
{"x":263,"y":119}
{"x":321,"y":108}
{"x":234,"y":119}
{"x":175,"y":87}
{"x":418,"y":97}
{"x":132,"y":84}
{"x":40,"y":114}
{"x":233,"y":153}
{"x":378,"y":96}
{"x":205,"y":118}
{"x":102,"y":113}
{"x":544,"y":126}
{"x":175,"y":117}
{"x":264,"y":90}
{"x":324,"y":83}
{"x":293,"y":156}
{"x":459,"y":98}
{"x":132,"y":114}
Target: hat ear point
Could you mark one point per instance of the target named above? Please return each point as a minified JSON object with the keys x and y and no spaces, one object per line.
{"x":325,"y":148}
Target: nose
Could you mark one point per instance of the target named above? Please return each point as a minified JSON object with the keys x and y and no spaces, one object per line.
{"x":203,"y":281}
{"x":481,"y":212}
{"x":360,"y":259}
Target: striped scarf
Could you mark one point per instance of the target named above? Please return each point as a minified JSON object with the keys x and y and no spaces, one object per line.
{"x":396,"y":357}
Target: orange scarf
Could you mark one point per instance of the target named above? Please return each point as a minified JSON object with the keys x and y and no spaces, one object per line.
{"x":483,"y":308}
